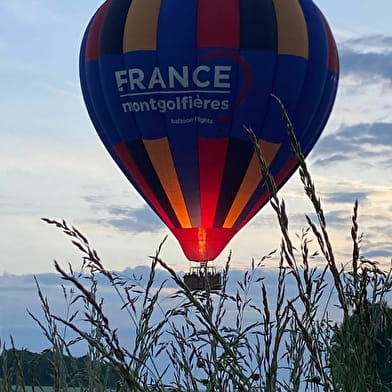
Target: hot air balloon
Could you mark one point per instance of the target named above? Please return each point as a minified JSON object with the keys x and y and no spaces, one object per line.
{"x":170,"y":84}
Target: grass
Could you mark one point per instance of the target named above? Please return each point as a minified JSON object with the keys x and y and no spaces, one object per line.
{"x":243,"y":340}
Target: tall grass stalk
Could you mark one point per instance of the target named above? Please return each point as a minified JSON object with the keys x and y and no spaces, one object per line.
{"x":237,"y":338}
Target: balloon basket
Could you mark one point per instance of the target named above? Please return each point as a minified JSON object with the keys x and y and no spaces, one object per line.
{"x":203,"y":277}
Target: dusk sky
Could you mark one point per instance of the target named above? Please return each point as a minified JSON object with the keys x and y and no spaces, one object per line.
{"x":53,"y":165}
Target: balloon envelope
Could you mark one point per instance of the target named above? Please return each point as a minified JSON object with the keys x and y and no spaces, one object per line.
{"x":170,"y":84}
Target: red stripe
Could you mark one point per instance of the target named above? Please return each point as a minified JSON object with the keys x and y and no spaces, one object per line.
{"x":199,"y":244}
{"x":218,"y":24}
{"x":333,"y":61}
{"x":92,"y":46}
{"x":148,"y":194}
{"x":212,"y":159}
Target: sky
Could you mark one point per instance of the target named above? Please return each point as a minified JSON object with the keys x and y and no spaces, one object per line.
{"x":53,"y":165}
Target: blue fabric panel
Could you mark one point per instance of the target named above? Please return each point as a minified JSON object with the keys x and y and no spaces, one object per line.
{"x":123,"y":121}
{"x":252,"y":110}
{"x":258,"y":25}
{"x":143,"y":109}
{"x":99,"y":104}
{"x":321,"y":116}
{"x":238,"y":157}
{"x":288,"y":88}
{"x":184,"y":147}
{"x":179,"y":38}
{"x":274,"y":169}
{"x":176,"y":46}
{"x":140,"y":156}
{"x":87,"y":94}
{"x":214,"y":104}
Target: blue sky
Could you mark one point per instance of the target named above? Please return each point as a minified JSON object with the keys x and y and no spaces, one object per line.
{"x":53,"y":165}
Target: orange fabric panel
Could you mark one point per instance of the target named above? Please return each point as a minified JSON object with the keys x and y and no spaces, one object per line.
{"x":292,"y":30}
{"x":142,"y":25}
{"x":162,"y":161}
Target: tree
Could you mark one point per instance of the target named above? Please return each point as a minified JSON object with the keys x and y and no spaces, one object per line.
{"x":361,"y":355}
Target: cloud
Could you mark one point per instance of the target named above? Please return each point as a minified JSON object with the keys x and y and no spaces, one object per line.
{"x":387,"y":162}
{"x":369,"y":43}
{"x":369,"y":65}
{"x":335,"y":158}
{"x":374,"y":247}
{"x":359,"y":141}
{"x":346,"y":197}
{"x":369,"y":57}
{"x":374,"y":254}
{"x":134,"y":220}
{"x":139,"y":218}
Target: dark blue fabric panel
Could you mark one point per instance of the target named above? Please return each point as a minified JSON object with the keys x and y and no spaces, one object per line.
{"x":290,"y":74}
{"x":177,"y":39}
{"x":238,"y":157}
{"x":252,"y":110}
{"x":139,"y":111}
{"x":214,"y":103}
{"x":321,"y":116}
{"x":256,"y":197}
{"x":123,"y":120}
{"x":111,"y":38}
{"x":176,"y":47}
{"x":98,"y":102}
{"x":258,"y":25}
{"x":278,"y":163}
{"x":140,"y":156}
{"x":87,"y":94}
{"x":184,"y":148}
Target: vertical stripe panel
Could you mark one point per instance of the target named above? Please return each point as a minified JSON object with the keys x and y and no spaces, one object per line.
{"x":112,"y":33}
{"x":177,"y":41}
{"x":92,"y":44}
{"x":258,"y":25}
{"x":148,"y":175}
{"x":251,"y":181}
{"x":162,"y":161}
{"x":212,"y":158}
{"x":143,"y":186}
{"x":292,"y":30}
{"x":218,"y":24}
{"x":184,"y":149}
{"x":333,"y":59}
{"x":280,"y":178}
{"x":142,"y":25}
{"x":237,"y":162}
